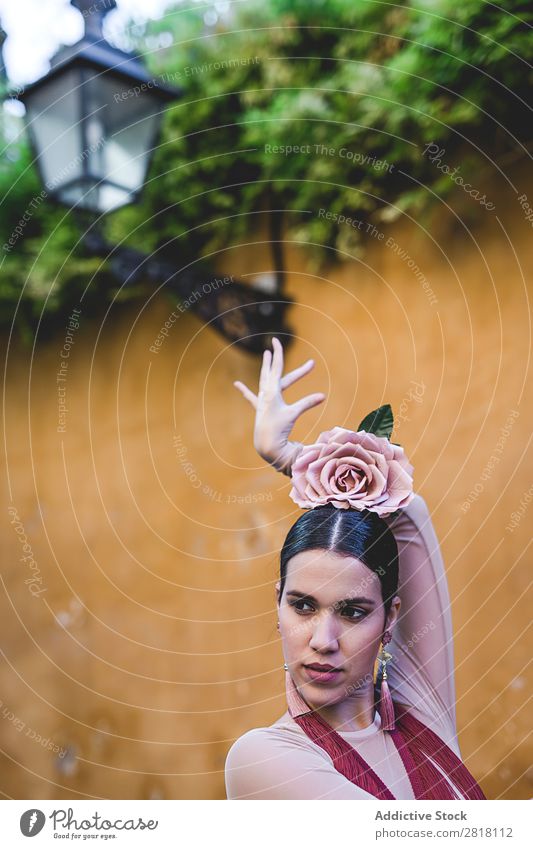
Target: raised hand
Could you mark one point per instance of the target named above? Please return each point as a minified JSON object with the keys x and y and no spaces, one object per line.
{"x":274,"y":419}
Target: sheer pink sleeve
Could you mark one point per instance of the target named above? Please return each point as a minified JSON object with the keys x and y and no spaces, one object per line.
{"x":421,"y":673}
{"x":267,"y":763}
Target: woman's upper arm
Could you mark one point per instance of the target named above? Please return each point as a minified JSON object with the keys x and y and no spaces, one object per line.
{"x":422,"y":671}
{"x":269,"y":764}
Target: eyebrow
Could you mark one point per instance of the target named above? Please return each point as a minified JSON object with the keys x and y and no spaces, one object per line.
{"x":359,"y":599}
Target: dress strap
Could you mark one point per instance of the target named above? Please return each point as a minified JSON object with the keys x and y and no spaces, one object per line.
{"x":346,"y":759}
{"x":421,"y":750}
{"x":425,"y":746}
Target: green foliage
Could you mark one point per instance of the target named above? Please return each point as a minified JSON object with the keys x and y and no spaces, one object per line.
{"x":377,"y":80}
{"x":380,"y":421}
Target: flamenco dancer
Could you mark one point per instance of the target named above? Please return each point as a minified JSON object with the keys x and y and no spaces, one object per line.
{"x":364,"y":619}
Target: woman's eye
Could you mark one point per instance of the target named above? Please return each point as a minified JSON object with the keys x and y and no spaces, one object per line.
{"x":353,"y":612}
{"x":298,"y":605}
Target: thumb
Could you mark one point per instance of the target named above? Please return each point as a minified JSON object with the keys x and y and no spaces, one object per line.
{"x":248,"y":394}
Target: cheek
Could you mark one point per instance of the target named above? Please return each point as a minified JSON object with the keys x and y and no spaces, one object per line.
{"x":295,"y":630}
{"x":361,"y":642}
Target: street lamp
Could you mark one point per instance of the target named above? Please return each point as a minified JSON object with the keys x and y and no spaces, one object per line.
{"x":94,"y":119}
{"x":93,"y":122}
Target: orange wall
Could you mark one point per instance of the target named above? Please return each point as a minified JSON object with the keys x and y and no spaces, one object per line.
{"x":153,"y":642}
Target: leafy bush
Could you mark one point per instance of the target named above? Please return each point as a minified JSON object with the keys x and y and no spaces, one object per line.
{"x":379,"y":81}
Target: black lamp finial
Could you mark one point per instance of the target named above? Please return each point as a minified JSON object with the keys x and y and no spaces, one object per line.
{"x":94,"y":12}
{"x":3,"y":74}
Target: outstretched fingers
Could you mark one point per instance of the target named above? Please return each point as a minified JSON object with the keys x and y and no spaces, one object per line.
{"x":248,"y":394}
{"x":265,"y":369}
{"x":296,"y":373}
{"x":307,"y":403}
{"x":277,"y":359}
{"x":271,"y":373}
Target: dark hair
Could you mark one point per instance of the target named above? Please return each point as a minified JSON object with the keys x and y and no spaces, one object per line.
{"x":356,"y":533}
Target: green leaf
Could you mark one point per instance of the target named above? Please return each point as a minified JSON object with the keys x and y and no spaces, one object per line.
{"x":380,"y":421}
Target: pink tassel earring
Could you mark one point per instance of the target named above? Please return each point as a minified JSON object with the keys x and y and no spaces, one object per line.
{"x":386,"y":706}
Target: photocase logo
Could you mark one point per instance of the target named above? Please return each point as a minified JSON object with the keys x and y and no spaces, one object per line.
{"x":32,"y":822}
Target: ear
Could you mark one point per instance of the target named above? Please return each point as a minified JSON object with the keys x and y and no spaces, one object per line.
{"x":278,"y":587}
{"x":392,"y":615}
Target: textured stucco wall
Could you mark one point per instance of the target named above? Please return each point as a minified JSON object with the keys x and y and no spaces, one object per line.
{"x":155,"y":528}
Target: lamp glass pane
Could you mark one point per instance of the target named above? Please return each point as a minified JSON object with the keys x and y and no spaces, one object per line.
{"x":52,"y":115}
{"x":128,"y":121}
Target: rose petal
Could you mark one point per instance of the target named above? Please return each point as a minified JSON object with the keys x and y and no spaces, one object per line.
{"x":352,"y":469}
{"x":377,"y":483}
{"x":358,"y":483}
{"x":313,"y":475}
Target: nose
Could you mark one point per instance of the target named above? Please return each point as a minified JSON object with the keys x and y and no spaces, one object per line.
{"x":325,"y":633}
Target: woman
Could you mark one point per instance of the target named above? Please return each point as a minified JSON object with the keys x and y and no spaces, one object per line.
{"x":361,"y":581}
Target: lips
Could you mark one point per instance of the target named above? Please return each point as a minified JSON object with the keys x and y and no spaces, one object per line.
{"x":322,"y":673}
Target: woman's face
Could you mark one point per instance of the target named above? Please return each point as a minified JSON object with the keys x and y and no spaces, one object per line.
{"x":331,"y":614}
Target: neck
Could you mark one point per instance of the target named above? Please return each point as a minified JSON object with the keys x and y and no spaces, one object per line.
{"x":352,"y":714}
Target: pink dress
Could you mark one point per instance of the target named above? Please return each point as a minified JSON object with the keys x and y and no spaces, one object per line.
{"x":281,"y":762}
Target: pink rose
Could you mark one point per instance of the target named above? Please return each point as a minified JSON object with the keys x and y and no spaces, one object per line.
{"x":352,"y":469}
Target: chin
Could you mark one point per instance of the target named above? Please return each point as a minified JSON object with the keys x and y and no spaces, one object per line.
{"x":320,"y":695}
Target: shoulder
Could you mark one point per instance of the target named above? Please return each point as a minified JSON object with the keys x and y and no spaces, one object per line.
{"x":254,"y":740}
{"x":262,"y":762}
{"x":268,"y":742}
{"x":281,"y":762}
{"x":252,"y":745}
